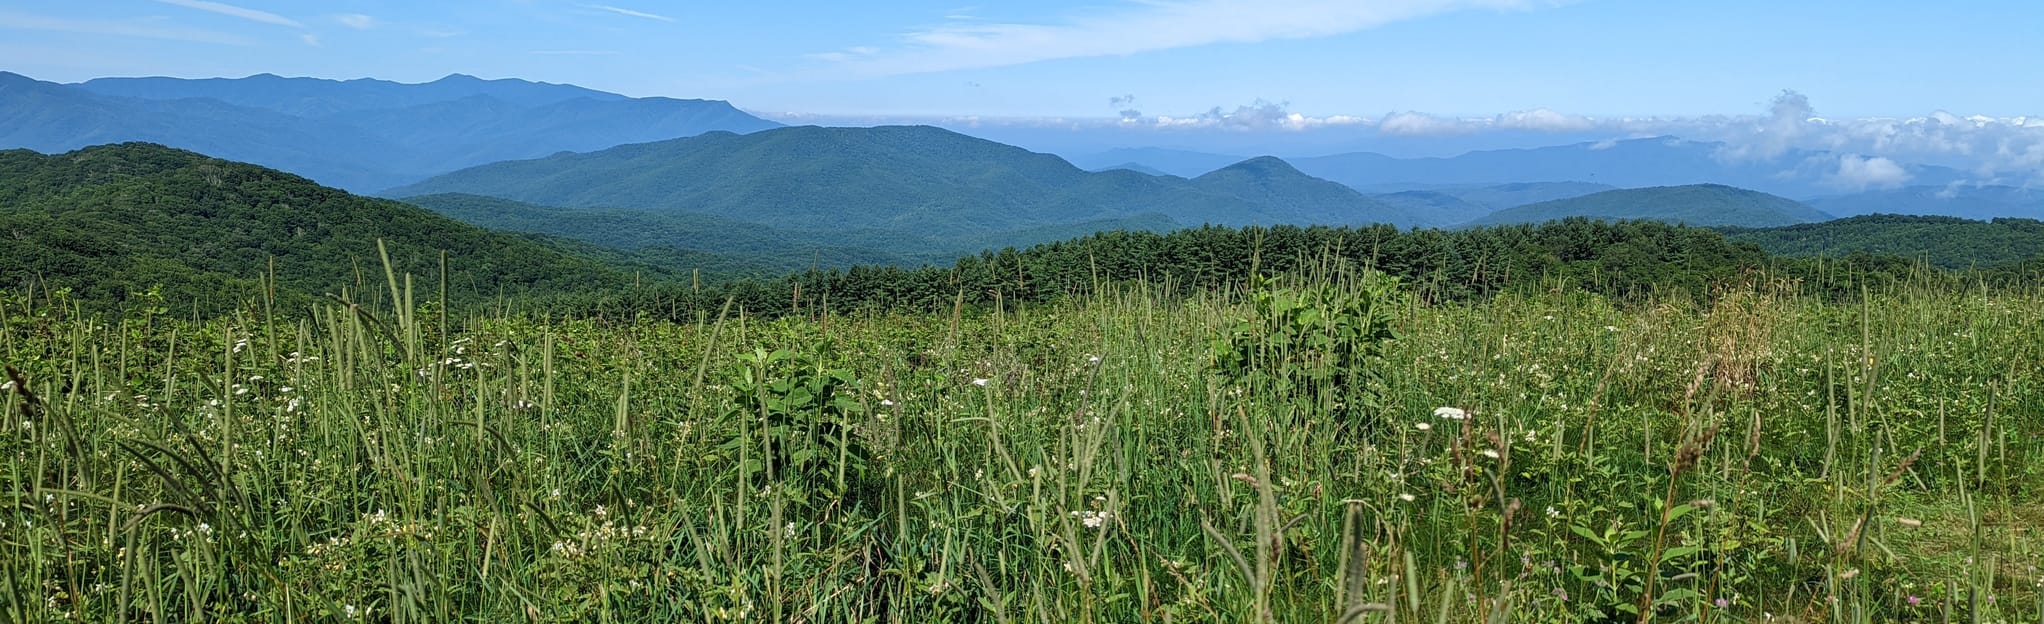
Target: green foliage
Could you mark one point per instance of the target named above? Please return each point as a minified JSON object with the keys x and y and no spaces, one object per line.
{"x":803,"y":419}
{"x":1315,"y":345}
{"x":1076,"y":460}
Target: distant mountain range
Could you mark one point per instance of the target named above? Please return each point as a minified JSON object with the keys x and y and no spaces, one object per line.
{"x":1970,"y":202}
{"x":1662,"y":161}
{"x":1699,"y":204}
{"x":924,"y":188}
{"x":362,"y":135}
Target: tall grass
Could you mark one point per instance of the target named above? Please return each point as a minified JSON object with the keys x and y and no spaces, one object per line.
{"x":1761,"y":456}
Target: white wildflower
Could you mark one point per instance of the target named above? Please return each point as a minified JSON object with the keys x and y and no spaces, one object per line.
{"x":1092,"y":519}
{"x":1451,"y":413}
{"x":1406,"y":496}
{"x":980,"y":381}
{"x":1425,"y":426}
{"x":1491,"y":453}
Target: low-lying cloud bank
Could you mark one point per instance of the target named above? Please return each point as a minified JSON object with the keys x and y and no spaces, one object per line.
{"x":1869,"y":153}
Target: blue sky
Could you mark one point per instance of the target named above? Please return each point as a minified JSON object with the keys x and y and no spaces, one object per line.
{"x":1074,"y":58}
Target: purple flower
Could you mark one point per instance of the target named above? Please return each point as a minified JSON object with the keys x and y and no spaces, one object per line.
{"x":1722,"y":603}
{"x":1913,"y":600}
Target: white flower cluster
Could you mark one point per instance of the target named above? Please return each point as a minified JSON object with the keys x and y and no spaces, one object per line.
{"x":1092,"y":519}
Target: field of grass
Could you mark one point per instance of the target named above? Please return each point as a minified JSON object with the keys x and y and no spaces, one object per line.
{"x":1311,"y":450}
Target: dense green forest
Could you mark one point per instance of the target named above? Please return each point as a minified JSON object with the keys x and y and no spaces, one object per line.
{"x":116,"y":222}
{"x":1949,"y":242}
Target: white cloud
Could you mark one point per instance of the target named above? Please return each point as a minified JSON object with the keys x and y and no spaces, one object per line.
{"x":1860,"y":173}
{"x":356,"y":21}
{"x":235,"y":11}
{"x":1147,"y":26}
{"x":1411,"y":123}
{"x":309,"y":39}
{"x":1771,"y":136}
{"x":1543,"y":119}
{"x":25,"y":21}
{"x":1261,"y":115}
{"x":1421,"y":124}
{"x":631,"y":13}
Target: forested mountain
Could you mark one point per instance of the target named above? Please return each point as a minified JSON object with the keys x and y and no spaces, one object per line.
{"x":1969,"y":202}
{"x":362,"y":135}
{"x":916,"y":181}
{"x":1949,"y":242}
{"x":1699,"y":204}
{"x":111,"y":221}
{"x":1268,"y":181}
{"x":1663,"y":161}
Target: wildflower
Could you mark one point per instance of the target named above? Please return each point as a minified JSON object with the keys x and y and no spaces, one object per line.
{"x":980,"y":381}
{"x":1722,"y":603}
{"x":1425,"y":426}
{"x":1406,"y":496}
{"x":788,"y":531}
{"x":1611,"y":328}
{"x":1491,"y":453}
{"x":1093,"y":360}
{"x":1451,"y":413}
{"x":1914,"y":600}
{"x":1552,"y":513}
{"x":887,"y":402}
{"x":1092,"y":519}
{"x":348,"y":610}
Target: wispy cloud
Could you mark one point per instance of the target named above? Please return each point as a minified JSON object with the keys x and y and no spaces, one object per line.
{"x":631,"y":13}
{"x":235,"y":11}
{"x":1149,"y":25}
{"x":26,"y":21}
{"x":575,"y":52}
{"x":309,"y":39}
{"x":356,"y":21}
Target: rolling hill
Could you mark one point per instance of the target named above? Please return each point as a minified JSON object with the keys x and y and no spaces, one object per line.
{"x":924,"y":185}
{"x":1699,"y":204}
{"x":361,"y":135}
{"x":107,"y":221}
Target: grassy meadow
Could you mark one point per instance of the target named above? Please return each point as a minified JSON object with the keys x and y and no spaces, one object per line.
{"x":1323,"y":449}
